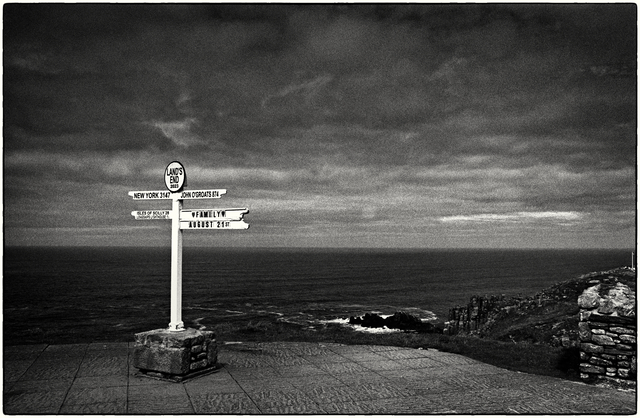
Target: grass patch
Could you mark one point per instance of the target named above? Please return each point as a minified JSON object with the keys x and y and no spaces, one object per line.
{"x":521,"y":356}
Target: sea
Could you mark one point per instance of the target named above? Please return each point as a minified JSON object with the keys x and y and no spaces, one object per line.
{"x":61,"y":295}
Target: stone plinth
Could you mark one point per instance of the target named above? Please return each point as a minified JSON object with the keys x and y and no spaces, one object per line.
{"x":175,"y":355}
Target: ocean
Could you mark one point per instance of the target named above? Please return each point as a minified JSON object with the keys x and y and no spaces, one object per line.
{"x":61,"y":295}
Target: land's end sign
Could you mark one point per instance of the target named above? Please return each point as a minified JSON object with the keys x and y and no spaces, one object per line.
{"x":175,"y":176}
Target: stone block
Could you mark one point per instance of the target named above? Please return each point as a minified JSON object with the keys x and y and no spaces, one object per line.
{"x":629,"y":339}
{"x":609,"y":357}
{"x":621,"y":330}
{"x":591,"y":368}
{"x":624,"y":347}
{"x":162,"y":359}
{"x":607,"y":307}
{"x":171,"y":339}
{"x":584,"y":356}
{"x":590,"y":298}
{"x":598,"y":331}
{"x":199,"y":364}
{"x":611,"y":319}
{"x":591,"y":348}
{"x":584,"y":332}
{"x":624,"y":364}
{"x":173,"y":355}
{"x":613,"y":351}
{"x":600,"y":362}
{"x":212,"y":352}
{"x":602,"y":339}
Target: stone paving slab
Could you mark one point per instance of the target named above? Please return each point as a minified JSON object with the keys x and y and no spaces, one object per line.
{"x":290,"y":378}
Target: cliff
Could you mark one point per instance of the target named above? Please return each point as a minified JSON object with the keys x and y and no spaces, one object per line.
{"x":549,"y":317}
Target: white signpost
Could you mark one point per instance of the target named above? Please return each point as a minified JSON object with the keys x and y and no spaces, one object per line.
{"x":175,"y":177}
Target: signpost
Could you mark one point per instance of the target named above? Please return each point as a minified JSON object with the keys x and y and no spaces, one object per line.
{"x":175,"y":177}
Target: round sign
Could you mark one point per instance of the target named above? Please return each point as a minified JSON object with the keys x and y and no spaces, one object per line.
{"x":175,"y":176}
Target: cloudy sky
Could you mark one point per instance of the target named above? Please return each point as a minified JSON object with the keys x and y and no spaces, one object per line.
{"x":336,"y":125}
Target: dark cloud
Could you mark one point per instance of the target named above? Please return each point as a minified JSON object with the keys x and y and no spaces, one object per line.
{"x":337,"y":115}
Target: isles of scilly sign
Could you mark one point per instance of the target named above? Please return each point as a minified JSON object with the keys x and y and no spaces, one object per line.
{"x":175,"y":178}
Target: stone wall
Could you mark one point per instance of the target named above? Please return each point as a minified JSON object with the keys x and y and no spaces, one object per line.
{"x":607,"y":332}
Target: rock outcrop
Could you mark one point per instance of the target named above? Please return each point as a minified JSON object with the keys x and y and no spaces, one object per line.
{"x":399,"y":320}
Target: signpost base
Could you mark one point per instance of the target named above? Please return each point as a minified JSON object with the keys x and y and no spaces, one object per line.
{"x":175,"y":355}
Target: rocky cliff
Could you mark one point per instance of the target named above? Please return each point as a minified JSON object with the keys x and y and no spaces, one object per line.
{"x":549,"y":317}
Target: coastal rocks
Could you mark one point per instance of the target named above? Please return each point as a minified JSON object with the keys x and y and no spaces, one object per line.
{"x":368,"y":320}
{"x":607,"y":332}
{"x":470,"y":318}
{"x":403,"y":320}
{"x":399,"y":320}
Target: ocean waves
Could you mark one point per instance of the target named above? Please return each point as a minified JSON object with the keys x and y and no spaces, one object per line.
{"x":78,"y":294}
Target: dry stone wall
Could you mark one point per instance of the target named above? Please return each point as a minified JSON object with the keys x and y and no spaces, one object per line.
{"x":607,"y":332}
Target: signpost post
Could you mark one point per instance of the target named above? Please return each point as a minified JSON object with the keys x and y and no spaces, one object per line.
{"x":176,"y":323}
{"x":151,"y":356}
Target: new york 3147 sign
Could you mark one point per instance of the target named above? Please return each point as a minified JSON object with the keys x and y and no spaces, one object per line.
{"x":175,"y":178}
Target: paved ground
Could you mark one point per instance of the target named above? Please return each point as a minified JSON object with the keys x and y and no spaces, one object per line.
{"x":291,"y":378}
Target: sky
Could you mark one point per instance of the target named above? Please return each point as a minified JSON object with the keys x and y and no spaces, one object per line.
{"x":336,"y":125}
